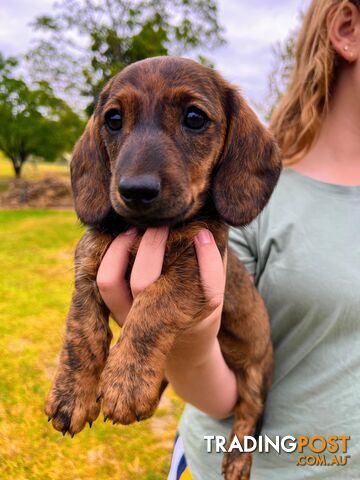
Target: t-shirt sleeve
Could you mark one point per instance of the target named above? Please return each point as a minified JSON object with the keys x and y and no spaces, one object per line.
{"x":244,"y":244}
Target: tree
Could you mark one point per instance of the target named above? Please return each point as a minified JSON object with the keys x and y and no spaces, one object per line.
{"x":33,"y":121}
{"x":87,"y":41}
{"x":282,"y":68}
{"x":279,"y":77}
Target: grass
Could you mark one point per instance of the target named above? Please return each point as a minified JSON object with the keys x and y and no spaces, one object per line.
{"x":36,"y":261}
{"x":31,"y":171}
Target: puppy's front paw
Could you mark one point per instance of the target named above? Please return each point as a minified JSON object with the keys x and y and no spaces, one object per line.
{"x":72,"y":403}
{"x":130,"y":388}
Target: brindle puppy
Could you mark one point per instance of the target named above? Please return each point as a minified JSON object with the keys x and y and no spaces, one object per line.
{"x":170,"y":143}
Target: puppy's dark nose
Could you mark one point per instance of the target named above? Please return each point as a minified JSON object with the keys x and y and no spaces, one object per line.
{"x":139,"y":191}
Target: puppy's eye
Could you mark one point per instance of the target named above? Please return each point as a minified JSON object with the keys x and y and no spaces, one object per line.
{"x":113,"y":119}
{"x":195,"y":118}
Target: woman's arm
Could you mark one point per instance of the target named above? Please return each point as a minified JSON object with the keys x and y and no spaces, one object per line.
{"x":196,"y":368}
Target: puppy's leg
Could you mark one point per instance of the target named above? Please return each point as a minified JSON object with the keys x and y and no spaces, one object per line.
{"x":72,"y":399}
{"x":132,"y":381}
{"x":246,"y":344}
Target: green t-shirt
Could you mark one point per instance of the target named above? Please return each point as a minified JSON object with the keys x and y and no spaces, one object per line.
{"x":304,"y":250}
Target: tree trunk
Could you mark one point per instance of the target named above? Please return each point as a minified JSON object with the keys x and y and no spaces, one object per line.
{"x":17,"y":169}
{"x":18,"y":163}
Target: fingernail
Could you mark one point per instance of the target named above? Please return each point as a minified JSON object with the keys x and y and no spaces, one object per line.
{"x":131,"y":231}
{"x":204,"y":237}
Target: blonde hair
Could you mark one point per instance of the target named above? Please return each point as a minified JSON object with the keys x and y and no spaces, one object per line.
{"x":296,"y":120}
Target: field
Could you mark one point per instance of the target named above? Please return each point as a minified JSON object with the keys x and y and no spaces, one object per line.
{"x":35,"y":287}
{"x":32,"y":171}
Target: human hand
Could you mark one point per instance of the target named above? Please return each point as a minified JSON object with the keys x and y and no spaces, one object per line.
{"x":195,"y":366}
{"x":147,"y":267}
{"x":113,"y":287}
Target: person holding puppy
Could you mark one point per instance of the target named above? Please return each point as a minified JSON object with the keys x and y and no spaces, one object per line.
{"x":304,"y":254}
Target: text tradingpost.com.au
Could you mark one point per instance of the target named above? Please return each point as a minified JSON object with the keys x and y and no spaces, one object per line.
{"x":310,"y":450}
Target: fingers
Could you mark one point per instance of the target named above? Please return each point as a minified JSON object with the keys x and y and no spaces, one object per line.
{"x":149,"y":259}
{"x":110,"y":278}
{"x":148,"y":266}
{"x":212,"y":268}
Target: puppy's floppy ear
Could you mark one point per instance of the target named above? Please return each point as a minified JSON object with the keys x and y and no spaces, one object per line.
{"x":249,"y":166}
{"x":90,"y":176}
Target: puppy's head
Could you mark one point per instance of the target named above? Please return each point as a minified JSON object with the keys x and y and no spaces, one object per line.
{"x":167,"y":136}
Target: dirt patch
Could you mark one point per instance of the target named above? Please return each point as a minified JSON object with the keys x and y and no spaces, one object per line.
{"x":18,"y":345}
{"x":49,"y":192}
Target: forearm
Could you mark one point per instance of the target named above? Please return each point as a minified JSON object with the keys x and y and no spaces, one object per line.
{"x":199,"y":374}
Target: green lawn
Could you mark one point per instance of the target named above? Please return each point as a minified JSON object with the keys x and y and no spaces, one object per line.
{"x":31,"y":171}
{"x":36,"y":252}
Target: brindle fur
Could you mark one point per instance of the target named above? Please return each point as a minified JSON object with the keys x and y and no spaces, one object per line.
{"x":220,"y":176}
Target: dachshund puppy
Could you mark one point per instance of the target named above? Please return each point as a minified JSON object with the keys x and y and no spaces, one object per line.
{"x":170,"y":143}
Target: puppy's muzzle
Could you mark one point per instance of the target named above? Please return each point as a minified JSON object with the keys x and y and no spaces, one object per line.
{"x":140,"y":191}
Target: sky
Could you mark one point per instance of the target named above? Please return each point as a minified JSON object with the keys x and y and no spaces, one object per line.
{"x":252,"y":27}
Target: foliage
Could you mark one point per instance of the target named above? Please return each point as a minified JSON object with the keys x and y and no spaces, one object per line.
{"x":279,"y":77}
{"x":33,"y":120}
{"x":282,"y":67}
{"x":37,"y":252}
{"x":85,"y":42}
